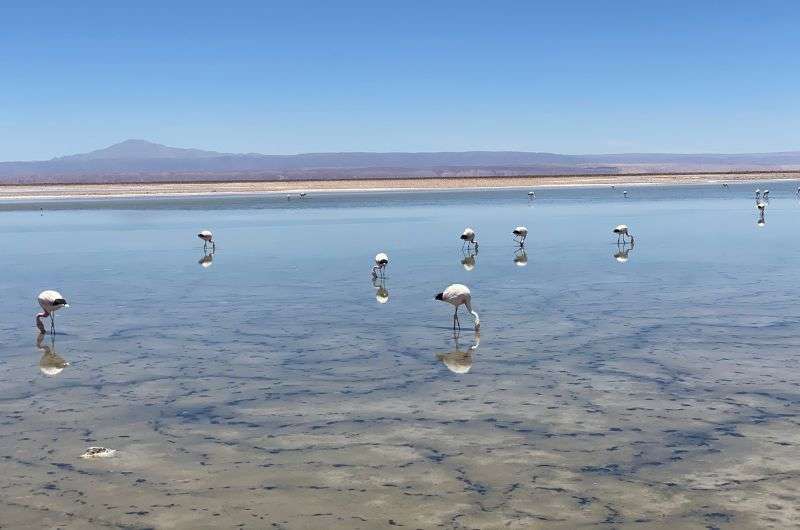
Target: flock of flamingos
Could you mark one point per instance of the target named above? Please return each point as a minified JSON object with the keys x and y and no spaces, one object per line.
{"x":455,"y":294}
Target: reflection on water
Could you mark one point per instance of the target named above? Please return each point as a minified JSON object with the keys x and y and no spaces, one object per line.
{"x":458,"y":361}
{"x":50,"y":363}
{"x":520,"y":257}
{"x":381,"y":292}
{"x":276,"y":393}
{"x":207,"y":260}
{"x":623,"y":251}
{"x":468,"y":258}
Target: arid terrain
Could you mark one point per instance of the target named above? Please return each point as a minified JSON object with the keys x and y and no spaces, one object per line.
{"x":246,"y":187}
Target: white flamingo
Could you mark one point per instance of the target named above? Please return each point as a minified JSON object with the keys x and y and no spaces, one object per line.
{"x":622,"y":231}
{"x":468,"y":237}
{"x":520,"y":233}
{"x":381,"y":261}
{"x":766,"y":195}
{"x":207,"y":238}
{"x":457,"y":295}
{"x":625,"y":193}
{"x":50,"y":301}
{"x":531,"y":195}
{"x":758,"y":194}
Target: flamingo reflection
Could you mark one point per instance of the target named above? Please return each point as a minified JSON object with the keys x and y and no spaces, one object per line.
{"x":458,"y":361}
{"x":51,"y":363}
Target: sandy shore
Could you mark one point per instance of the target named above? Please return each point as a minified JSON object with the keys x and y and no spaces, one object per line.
{"x":62,"y":191}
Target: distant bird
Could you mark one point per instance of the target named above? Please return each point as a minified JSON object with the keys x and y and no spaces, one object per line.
{"x":303,"y":195}
{"x":532,"y":195}
{"x":468,"y":237}
{"x":758,"y":194}
{"x":798,"y":191}
{"x":625,"y":193}
{"x":520,"y":233}
{"x":457,"y":295}
{"x":50,"y":301}
{"x":207,"y":238}
{"x":520,"y":257}
{"x":766,"y":195}
{"x":622,"y":231}
{"x":725,"y":185}
{"x":761,"y":205}
{"x":381,"y":261}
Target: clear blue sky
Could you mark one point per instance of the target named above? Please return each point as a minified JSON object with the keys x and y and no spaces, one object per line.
{"x":570,"y":77}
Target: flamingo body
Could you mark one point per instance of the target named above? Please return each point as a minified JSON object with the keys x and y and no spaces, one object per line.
{"x":50,"y":302}
{"x":520,"y":233}
{"x":457,"y":295}
{"x":381,"y":261}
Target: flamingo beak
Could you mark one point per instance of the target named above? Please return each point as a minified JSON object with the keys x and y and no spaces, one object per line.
{"x":438,"y":296}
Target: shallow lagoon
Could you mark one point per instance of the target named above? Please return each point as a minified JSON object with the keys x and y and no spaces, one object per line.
{"x":272,"y":389}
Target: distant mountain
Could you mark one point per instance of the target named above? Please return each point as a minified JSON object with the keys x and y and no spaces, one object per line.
{"x":140,"y":150}
{"x":143,"y":161}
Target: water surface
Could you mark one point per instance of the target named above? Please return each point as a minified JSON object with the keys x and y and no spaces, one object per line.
{"x":271,"y":389}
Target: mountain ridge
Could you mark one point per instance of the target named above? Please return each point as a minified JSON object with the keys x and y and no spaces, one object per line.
{"x":141,"y":160}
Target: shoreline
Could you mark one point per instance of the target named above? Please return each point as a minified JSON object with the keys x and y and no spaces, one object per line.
{"x":13,"y":192}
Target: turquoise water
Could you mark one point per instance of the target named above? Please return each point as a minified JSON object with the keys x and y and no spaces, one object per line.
{"x":271,"y":388}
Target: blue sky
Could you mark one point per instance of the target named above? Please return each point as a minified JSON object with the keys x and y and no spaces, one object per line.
{"x":288,"y":77}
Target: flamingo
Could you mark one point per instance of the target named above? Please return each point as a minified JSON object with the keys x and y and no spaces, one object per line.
{"x":458,"y":295}
{"x":766,"y":195}
{"x":622,"y":231}
{"x":625,"y":193}
{"x":381,"y":261}
{"x":725,"y":185}
{"x":468,"y":236}
{"x":532,"y":195}
{"x":520,"y":233}
{"x":51,"y":301}
{"x":303,"y":195}
{"x":207,"y":238}
{"x":798,"y":191}
{"x":758,"y":194}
